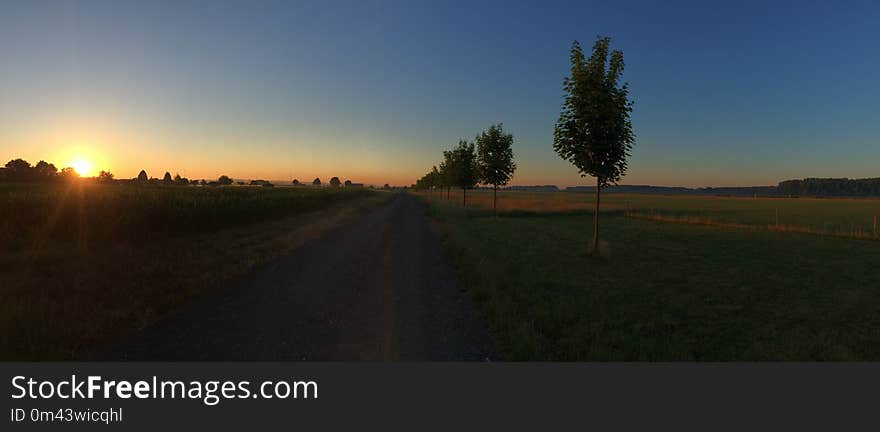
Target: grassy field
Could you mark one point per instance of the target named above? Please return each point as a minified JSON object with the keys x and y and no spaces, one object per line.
{"x":81,"y":264}
{"x":667,"y":291}
{"x":837,"y":216}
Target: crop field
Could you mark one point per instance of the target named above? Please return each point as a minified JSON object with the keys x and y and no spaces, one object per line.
{"x":828,"y":216}
{"x":87,"y":212}
{"x":82,"y":263}
{"x":667,"y":291}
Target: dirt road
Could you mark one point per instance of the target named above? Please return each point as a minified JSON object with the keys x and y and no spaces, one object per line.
{"x":377,"y":289}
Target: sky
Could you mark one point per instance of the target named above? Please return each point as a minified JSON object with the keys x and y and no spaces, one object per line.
{"x":726,"y":93}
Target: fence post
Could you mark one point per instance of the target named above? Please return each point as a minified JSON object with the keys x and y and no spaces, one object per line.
{"x":875,"y":227}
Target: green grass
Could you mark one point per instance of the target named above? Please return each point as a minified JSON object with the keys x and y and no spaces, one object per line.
{"x":665,"y":291}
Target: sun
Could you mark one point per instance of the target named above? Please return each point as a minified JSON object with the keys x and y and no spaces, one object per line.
{"x":82,"y":167}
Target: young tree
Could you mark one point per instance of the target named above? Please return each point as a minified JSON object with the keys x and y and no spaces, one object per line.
{"x":447,"y":171}
{"x":594,"y":131}
{"x":436,"y":178}
{"x":316,"y":182}
{"x":142,"y":177}
{"x":495,"y":159}
{"x":465,"y":168}
{"x":224,"y":180}
{"x":167,"y":178}
{"x":335,"y":182}
{"x":295,"y":182}
{"x":347,"y":183}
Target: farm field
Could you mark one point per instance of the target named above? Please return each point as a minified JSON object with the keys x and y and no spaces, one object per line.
{"x":80,"y":264}
{"x":830,"y":216}
{"x":666,"y":291}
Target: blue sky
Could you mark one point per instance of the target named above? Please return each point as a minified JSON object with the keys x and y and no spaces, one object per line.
{"x":732,"y":93}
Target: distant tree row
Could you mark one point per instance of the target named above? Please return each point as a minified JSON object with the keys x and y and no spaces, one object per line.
{"x":334,"y":182}
{"x":487,"y":160}
{"x":830,"y":187}
{"x":20,"y":170}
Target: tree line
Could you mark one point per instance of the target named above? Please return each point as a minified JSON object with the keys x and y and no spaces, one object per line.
{"x":487,"y":160}
{"x":593,"y":132}
{"x":20,"y":170}
{"x":830,"y":187}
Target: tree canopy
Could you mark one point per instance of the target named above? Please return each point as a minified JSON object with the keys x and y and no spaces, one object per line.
{"x":495,"y":156}
{"x":594,"y":131}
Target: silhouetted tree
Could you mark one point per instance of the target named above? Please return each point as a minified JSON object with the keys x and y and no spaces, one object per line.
{"x":18,"y":170}
{"x":447,"y":174}
{"x":224,"y":180}
{"x":45,"y":171}
{"x":295,"y":182}
{"x":348,"y":183}
{"x":180,"y":181}
{"x":105,"y":177}
{"x":335,"y":182}
{"x":68,"y":174}
{"x":194,"y":182}
{"x":464,"y":168}
{"x":594,"y":131}
{"x":142,"y":177}
{"x":316,"y":182}
{"x":495,"y":159}
{"x":167,"y":178}
{"x":240,"y":183}
{"x":386,"y":186}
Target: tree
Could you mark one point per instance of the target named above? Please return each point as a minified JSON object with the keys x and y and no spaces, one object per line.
{"x":495,"y":159}
{"x":316,"y":182}
{"x":464,"y":168}
{"x":105,"y":177}
{"x":18,"y":170}
{"x":594,"y":131}
{"x":180,"y":181}
{"x":386,"y":186}
{"x":347,"y":183}
{"x":335,"y":182}
{"x":142,"y":177}
{"x":167,"y":179}
{"x":447,"y":174}
{"x":45,"y":171}
{"x":68,"y":174}
{"x":295,"y":182}
{"x":224,"y":180}
{"x":461,"y":165}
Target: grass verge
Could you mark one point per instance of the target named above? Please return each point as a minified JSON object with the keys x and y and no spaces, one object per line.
{"x":663,"y":291}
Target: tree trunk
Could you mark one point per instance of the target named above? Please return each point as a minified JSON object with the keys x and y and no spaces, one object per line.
{"x":495,"y":200}
{"x":595,"y":250}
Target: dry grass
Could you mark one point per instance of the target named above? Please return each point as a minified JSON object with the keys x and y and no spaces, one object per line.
{"x":516,"y":202}
{"x":855,"y":233}
{"x":846,"y":218}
